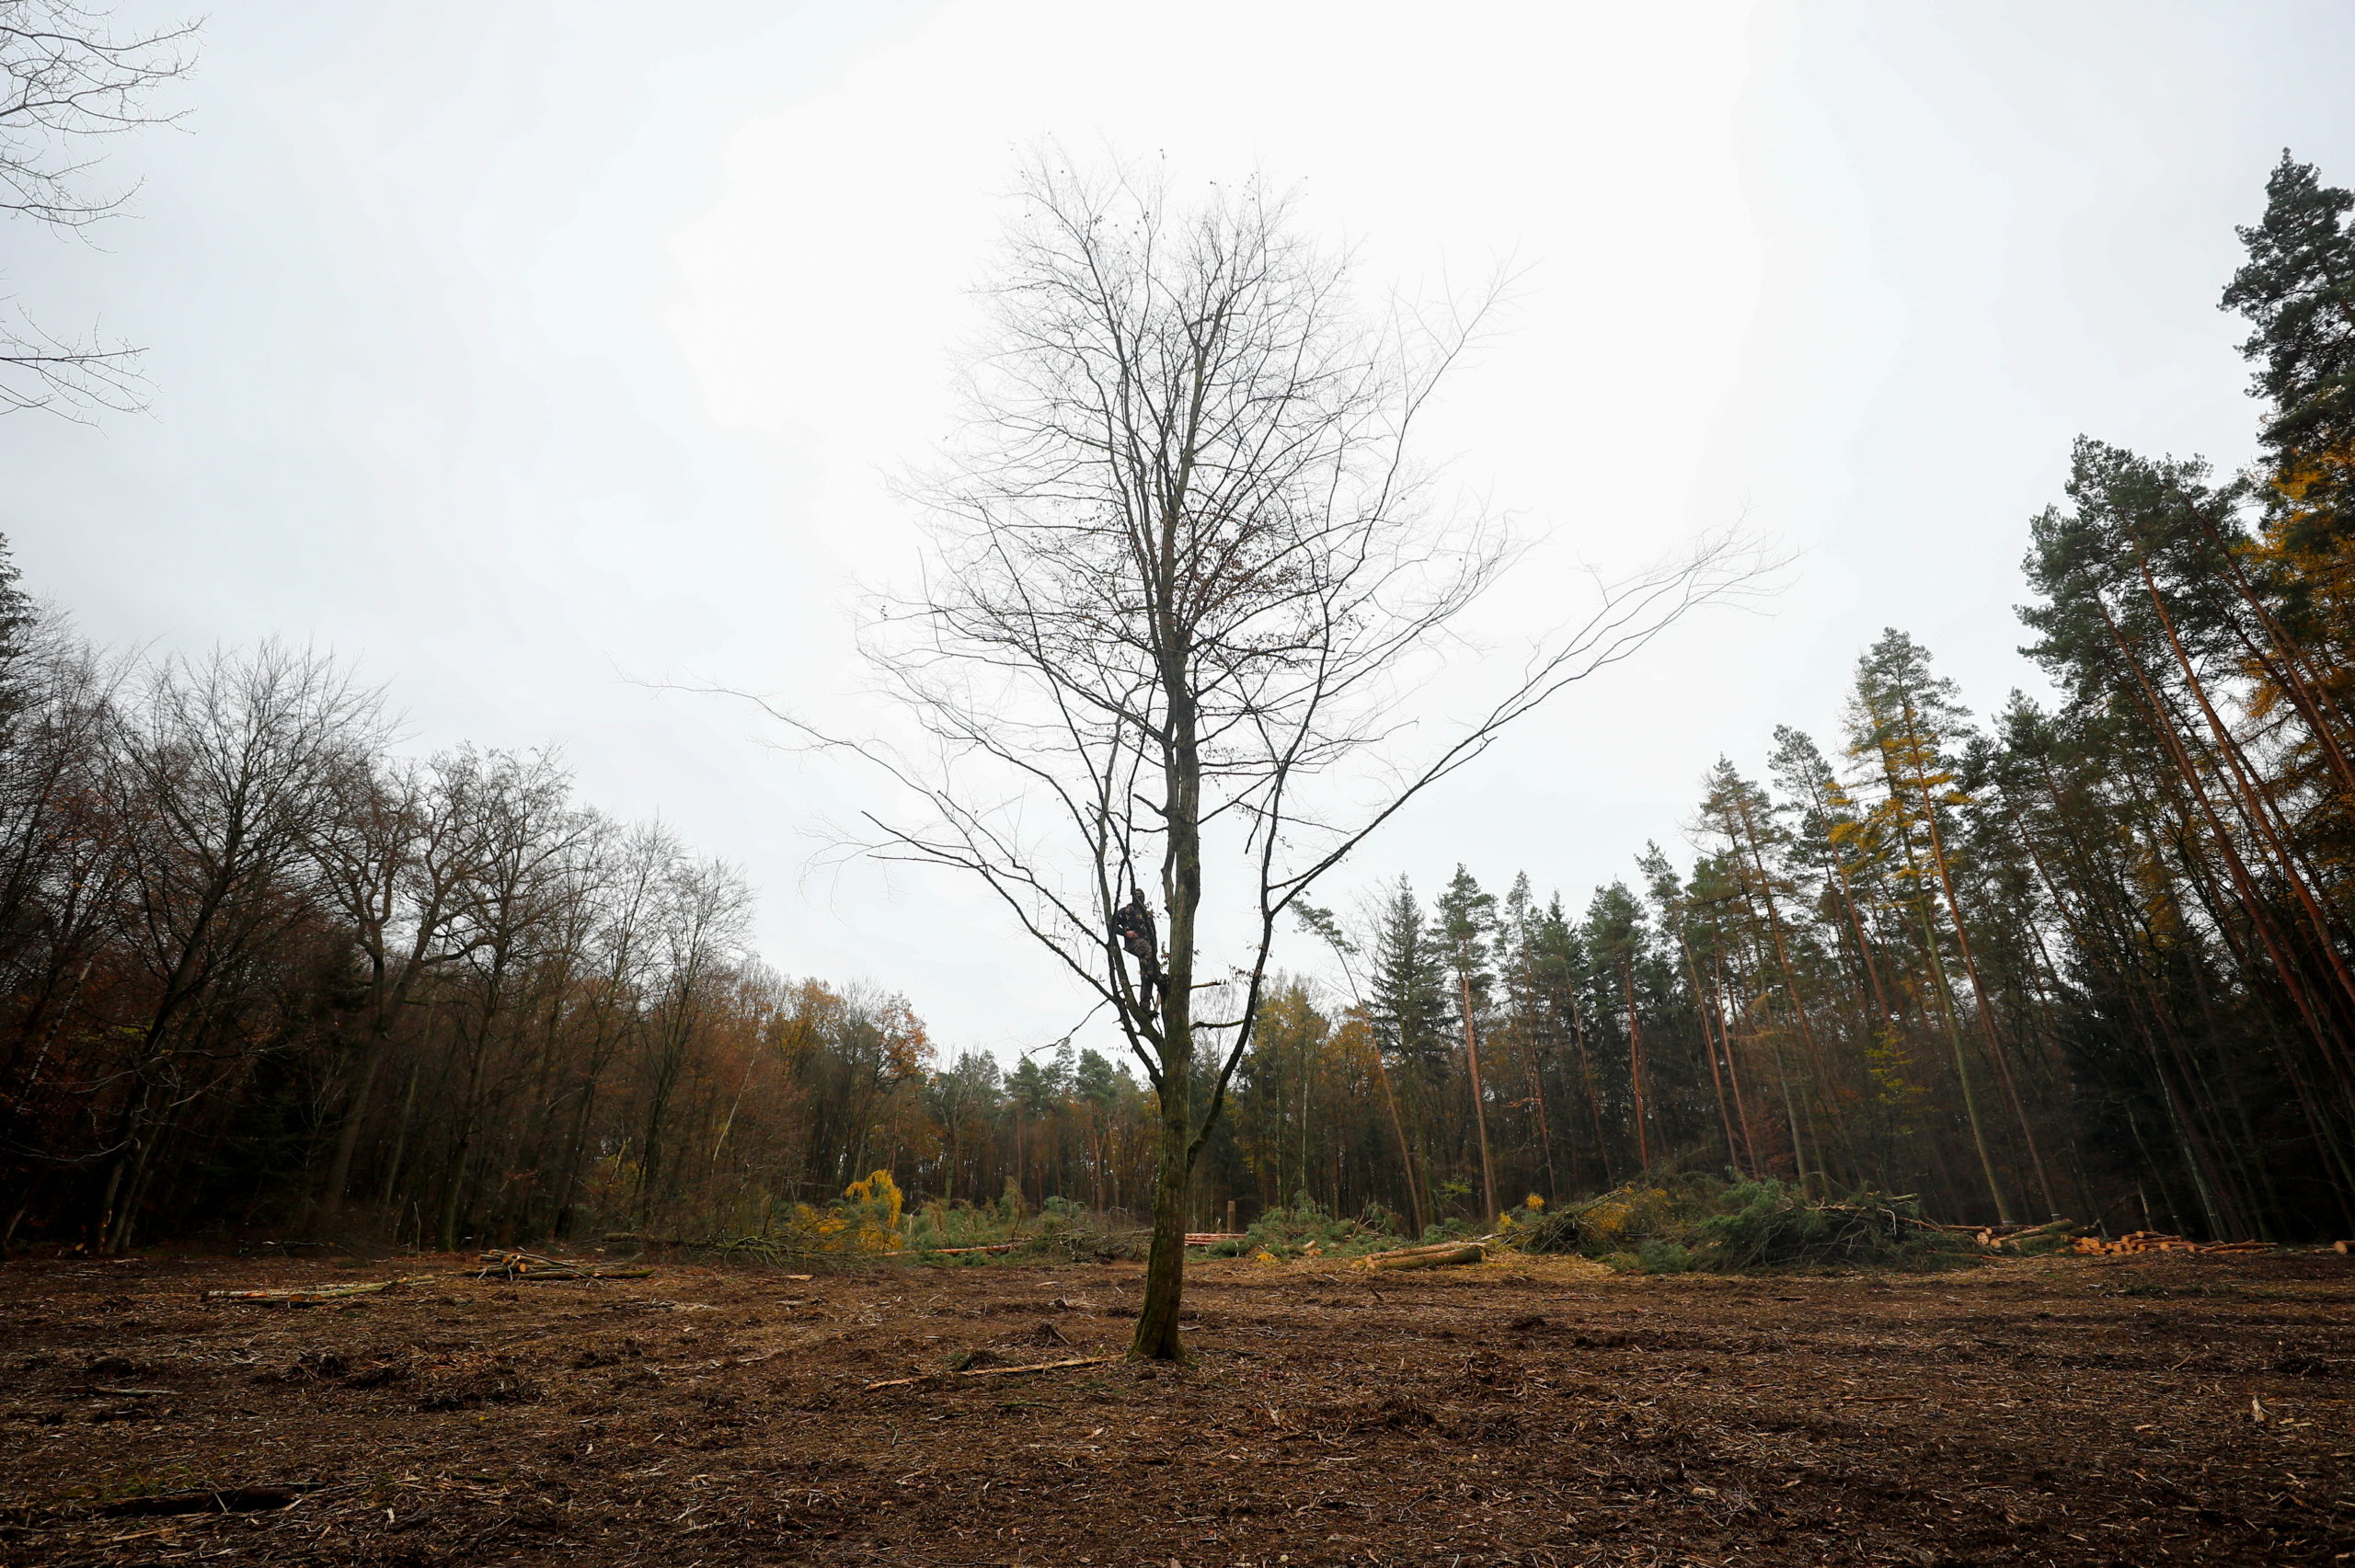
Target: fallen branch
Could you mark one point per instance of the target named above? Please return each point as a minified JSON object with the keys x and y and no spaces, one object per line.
{"x":957,"y":1251}
{"x":994,"y":1371}
{"x":305,"y":1296}
{"x":532,"y":1266}
{"x":220,"y":1500}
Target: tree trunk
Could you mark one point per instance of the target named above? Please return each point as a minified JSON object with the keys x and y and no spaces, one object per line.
{"x":347,"y":1137}
{"x":1479,"y":1097}
{"x":1636,"y":1068}
{"x":1983,"y":1003}
{"x":1165,"y":1270}
{"x":1702,"y":1010}
{"x":1406,"y":1151}
{"x":1165,"y":1278}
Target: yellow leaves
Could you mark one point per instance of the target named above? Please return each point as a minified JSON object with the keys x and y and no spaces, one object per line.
{"x":873,"y":1217}
{"x":864,"y":1220}
{"x":1532,"y":1209}
{"x":1630,"y":1211}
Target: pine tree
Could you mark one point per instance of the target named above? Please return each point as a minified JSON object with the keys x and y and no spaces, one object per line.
{"x":1406,"y":1003}
{"x":2298,"y":289}
{"x":1466,"y":925}
{"x":1903,"y":717}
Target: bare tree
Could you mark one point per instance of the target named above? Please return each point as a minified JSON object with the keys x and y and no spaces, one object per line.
{"x":1183,"y":579}
{"x":702,"y":923}
{"x":68,"y":78}
{"x":230,"y":761}
{"x":396,"y":846}
{"x":529,"y":834}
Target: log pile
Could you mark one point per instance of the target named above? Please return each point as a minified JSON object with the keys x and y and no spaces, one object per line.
{"x":2013,"y":1238}
{"x":2163,"y":1241}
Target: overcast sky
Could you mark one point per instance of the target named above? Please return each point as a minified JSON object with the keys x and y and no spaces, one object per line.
{"x":516,"y":350}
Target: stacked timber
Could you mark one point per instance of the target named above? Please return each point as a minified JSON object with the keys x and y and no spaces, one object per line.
{"x":2164,"y":1241}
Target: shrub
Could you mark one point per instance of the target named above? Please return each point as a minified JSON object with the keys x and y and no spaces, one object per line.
{"x":1771,"y":1224}
{"x":1663,"y":1257}
{"x":1555,"y":1233}
{"x":1283,"y":1233}
{"x":1669,"y":1223}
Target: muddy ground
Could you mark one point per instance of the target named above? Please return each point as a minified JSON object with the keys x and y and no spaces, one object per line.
{"x":2133,"y":1412}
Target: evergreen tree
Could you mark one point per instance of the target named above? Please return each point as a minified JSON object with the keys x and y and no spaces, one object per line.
{"x":2298,"y":289}
{"x":1466,"y":925}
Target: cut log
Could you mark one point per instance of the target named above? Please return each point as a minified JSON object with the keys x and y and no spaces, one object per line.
{"x":2162,"y":1241}
{"x":994,"y":1371}
{"x":1445,"y":1255}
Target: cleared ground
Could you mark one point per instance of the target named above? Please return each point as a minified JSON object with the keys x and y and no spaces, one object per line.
{"x":2132,"y":1412}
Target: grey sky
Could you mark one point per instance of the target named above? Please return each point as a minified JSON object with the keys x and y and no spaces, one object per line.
{"x":512,"y":348}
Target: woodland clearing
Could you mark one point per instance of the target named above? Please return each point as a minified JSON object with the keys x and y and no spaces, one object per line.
{"x":2136,"y":1410}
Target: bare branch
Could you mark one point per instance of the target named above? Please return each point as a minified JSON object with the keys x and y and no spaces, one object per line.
{"x":67,"y":75}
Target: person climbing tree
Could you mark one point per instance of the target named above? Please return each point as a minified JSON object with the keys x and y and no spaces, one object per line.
{"x":1132,"y":923}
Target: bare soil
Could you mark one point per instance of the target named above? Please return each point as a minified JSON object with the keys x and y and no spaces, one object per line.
{"x":2140,"y":1411}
